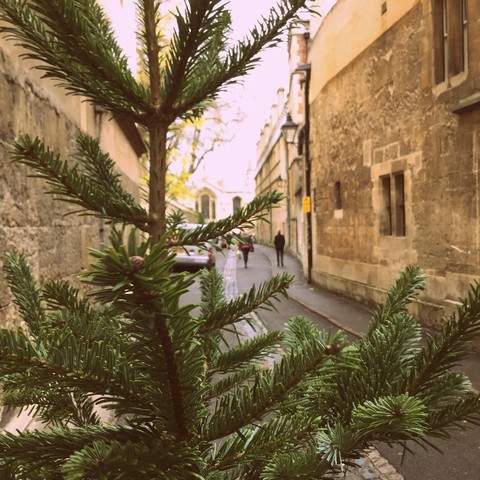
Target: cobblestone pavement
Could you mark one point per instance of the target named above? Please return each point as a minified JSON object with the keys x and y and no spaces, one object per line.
{"x":372,"y":466}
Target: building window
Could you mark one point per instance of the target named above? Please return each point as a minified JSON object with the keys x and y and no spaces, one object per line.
{"x":450,"y":32}
{"x":237,"y":203}
{"x":392,"y":220}
{"x":338,"y":195}
{"x":205,"y":206}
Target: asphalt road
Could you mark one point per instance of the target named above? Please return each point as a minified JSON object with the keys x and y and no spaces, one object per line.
{"x":460,"y":456}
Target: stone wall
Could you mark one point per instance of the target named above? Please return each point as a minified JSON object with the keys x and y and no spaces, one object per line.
{"x":30,"y":220}
{"x":378,"y":116}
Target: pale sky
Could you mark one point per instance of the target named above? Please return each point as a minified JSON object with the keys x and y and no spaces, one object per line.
{"x":255,"y":97}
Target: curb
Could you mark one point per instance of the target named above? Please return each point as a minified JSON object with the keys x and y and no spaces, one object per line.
{"x":326,"y":317}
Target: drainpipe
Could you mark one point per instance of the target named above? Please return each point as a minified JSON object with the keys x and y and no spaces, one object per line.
{"x":307,"y":205}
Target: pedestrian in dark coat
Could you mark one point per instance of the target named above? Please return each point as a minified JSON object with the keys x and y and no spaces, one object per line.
{"x":279,"y":242}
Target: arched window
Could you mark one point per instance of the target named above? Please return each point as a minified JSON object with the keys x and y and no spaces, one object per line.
{"x":237,"y":203}
{"x":205,"y":205}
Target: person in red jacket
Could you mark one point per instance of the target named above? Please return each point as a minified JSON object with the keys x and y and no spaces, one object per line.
{"x":246,"y":246}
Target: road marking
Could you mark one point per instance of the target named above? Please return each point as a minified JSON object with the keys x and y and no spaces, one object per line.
{"x":253,"y":326}
{"x":230,"y":276}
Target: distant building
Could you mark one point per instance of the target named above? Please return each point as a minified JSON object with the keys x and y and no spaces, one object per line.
{"x":280,"y":165}
{"x":214,"y":200}
{"x":271,"y":171}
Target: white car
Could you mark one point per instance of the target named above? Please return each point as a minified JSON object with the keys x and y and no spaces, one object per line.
{"x":193,"y":257}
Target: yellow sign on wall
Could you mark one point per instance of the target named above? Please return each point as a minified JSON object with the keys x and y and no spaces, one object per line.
{"x":307,"y":207}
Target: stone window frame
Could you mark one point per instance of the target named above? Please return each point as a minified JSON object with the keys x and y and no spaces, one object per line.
{"x":386,"y":160}
{"x":450,"y":43}
{"x":395,"y":165}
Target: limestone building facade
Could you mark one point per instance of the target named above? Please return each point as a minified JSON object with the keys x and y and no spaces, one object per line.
{"x":395,"y":147}
{"x":271,"y":171}
{"x":30,"y":220}
{"x":280,"y":165}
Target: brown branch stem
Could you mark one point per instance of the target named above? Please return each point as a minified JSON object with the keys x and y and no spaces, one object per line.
{"x":176,"y":395}
{"x":157,"y":187}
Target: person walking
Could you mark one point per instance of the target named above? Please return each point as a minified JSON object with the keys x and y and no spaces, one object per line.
{"x":246,"y":246}
{"x":279,"y":242}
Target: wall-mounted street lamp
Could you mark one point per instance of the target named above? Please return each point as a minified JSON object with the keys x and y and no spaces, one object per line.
{"x":289,"y":131}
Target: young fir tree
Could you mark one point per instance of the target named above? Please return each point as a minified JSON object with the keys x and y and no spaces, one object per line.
{"x":188,"y":403}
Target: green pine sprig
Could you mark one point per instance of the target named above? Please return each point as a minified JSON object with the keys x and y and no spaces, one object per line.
{"x":90,"y":183}
{"x":73,"y":42}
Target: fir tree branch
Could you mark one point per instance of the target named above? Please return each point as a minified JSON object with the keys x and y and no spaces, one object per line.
{"x":254,"y":349}
{"x":270,"y":388}
{"x":133,"y":461}
{"x":228,"y":382}
{"x":230,"y":312}
{"x":199,"y":50}
{"x":266,"y":440}
{"x":176,"y":393}
{"x":71,"y":364}
{"x":74,"y":43}
{"x":212,"y":291}
{"x":398,"y":417}
{"x":447,"y":388}
{"x":445,"y":350}
{"x":26,"y":292}
{"x":386,"y":357}
{"x":408,"y":284}
{"x":299,"y":465}
{"x":85,"y":189}
{"x":455,"y":416}
{"x":241,"y":219}
{"x":53,"y":406}
{"x":133,"y":283}
{"x":31,"y":450}
{"x":336,"y":442}
{"x":60,"y":295}
{"x":67,"y":312}
{"x":200,"y":36}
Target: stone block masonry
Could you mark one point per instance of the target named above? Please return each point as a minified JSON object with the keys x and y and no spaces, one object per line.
{"x":31,"y":221}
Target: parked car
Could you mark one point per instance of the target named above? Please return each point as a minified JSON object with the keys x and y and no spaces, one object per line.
{"x":193,"y":257}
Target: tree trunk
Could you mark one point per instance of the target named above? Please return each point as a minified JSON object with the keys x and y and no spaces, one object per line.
{"x":157,"y":187}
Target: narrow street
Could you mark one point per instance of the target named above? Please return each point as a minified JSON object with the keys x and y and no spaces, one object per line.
{"x":259,"y":270}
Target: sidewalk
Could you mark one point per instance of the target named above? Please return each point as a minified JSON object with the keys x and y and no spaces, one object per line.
{"x":347,"y":315}
{"x":341,"y":312}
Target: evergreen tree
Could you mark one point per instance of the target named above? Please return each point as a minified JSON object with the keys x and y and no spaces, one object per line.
{"x":190,"y":399}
